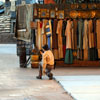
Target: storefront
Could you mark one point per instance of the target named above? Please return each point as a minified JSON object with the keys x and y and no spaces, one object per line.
{"x":71,"y":31}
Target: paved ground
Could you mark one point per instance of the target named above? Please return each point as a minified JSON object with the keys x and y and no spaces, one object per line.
{"x":8,"y":49}
{"x":20,"y":84}
{"x":81,"y":87}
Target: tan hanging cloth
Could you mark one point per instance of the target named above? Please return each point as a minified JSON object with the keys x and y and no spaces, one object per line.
{"x":98,"y":33}
{"x":56,"y":54}
{"x":68,"y":33}
{"x":44,"y":40}
{"x":38,"y":35}
{"x":91,"y":34}
{"x":85,"y":40}
{"x":98,"y":36}
{"x":60,"y":43}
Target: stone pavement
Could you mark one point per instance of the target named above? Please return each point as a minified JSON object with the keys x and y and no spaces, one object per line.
{"x":8,"y":49}
{"x":81,"y":87}
{"x":21,"y":83}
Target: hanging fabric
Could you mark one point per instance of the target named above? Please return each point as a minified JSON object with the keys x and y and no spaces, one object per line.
{"x":64,"y":37}
{"x":39,"y":35}
{"x":48,"y":30}
{"x":54,"y":35}
{"x":91,"y":34}
{"x":69,"y":56}
{"x":68,"y":33}
{"x":60,"y":43}
{"x":21,"y":17}
{"x":75,"y":27}
{"x":75,"y":23}
{"x":23,"y":22}
{"x":44,"y":40}
{"x":98,"y":36}
{"x":80,"y":39}
{"x":55,"y":39}
{"x":85,"y":40}
{"x":95,"y":40}
{"x":95,"y":33}
{"x":91,"y":50}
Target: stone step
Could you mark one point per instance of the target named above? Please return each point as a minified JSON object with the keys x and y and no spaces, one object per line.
{"x":4,"y":27}
{"x":8,"y":24}
{"x":4,"y":30}
{"x":5,"y":24}
{"x":5,"y":21}
{"x":5,"y":17}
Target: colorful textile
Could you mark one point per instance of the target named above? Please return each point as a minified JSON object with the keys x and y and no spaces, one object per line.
{"x":98,"y":33}
{"x":80,"y":33}
{"x":56,"y":54}
{"x":54,"y":35}
{"x":98,"y":53}
{"x":48,"y":30}
{"x":94,"y":32}
{"x":68,"y":34}
{"x":69,"y":56}
{"x":63,"y":32}
{"x":60,"y":43}
{"x":23,"y":22}
{"x":85,"y":35}
{"x":85,"y":40}
{"x":98,"y":36}
{"x":64,"y":50}
{"x":38,"y":35}
{"x":80,"y":54}
{"x":44,"y":40}
{"x":91,"y":34}
{"x":80,"y":39}
{"x":75,"y":27}
{"x":85,"y":54}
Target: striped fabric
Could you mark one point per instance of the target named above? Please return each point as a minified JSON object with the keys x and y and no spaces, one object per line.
{"x":49,"y":33}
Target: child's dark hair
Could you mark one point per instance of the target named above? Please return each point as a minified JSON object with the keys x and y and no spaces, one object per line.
{"x":45,"y":47}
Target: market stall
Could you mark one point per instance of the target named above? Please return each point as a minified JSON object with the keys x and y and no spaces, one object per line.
{"x":70,"y":30}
